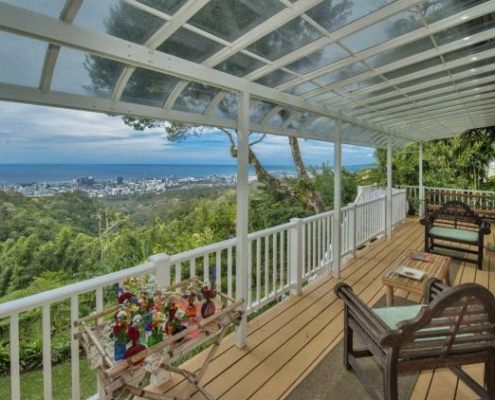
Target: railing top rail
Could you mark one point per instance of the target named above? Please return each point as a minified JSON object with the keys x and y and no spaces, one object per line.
{"x":375,"y":200}
{"x":270,"y":231}
{"x":318,"y":216}
{"x":200,"y":251}
{"x":448,"y":189}
{"x":66,"y":292}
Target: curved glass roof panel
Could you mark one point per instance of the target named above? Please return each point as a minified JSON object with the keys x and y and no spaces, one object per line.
{"x":190,"y":46}
{"x":258,"y":110}
{"x":227,"y":106}
{"x":300,"y":120}
{"x":169,"y":6}
{"x":317,"y":123}
{"x":149,"y":88}
{"x":318,"y":59}
{"x":436,"y":10}
{"x":21,"y":59}
{"x":51,"y":8}
{"x":231,"y":19}
{"x":195,"y":98}
{"x":286,"y":39}
{"x":333,"y":14}
{"x":359,"y":85}
{"x":276,"y":78}
{"x":390,"y":28}
{"x":118,"y":19}
{"x":81,"y":73}
{"x":280,"y":117}
{"x":239,"y":65}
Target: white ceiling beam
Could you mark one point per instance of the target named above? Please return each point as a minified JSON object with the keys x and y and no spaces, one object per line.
{"x":187,"y":11}
{"x":26,"y":23}
{"x":23,"y":94}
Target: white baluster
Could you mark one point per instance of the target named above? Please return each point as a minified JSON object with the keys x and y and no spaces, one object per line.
{"x":47,"y":352}
{"x":15,"y":377}
{"x":74,"y":348}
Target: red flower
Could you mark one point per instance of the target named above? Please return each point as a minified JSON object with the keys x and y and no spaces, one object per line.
{"x":117,"y":328}
{"x":207,"y":293}
{"x":172,"y":312}
{"x":133,"y":334}
{"x":125,"y":296}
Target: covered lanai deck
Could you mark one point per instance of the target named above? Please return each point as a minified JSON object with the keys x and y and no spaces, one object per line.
{"x":378,"y":74}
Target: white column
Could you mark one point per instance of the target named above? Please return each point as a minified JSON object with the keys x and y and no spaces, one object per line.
{"x":422,"y":204}
{"x":389,"y":188}
{"x":337,"y":199}
{"x":242,"y":211}
{"x":296,"y":252}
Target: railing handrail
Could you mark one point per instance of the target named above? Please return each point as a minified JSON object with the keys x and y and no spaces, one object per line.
{"x":66,"y":292}
{"x":448,"y":189}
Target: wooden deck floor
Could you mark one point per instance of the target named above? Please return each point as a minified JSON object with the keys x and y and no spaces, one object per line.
{"x":289,"y":340}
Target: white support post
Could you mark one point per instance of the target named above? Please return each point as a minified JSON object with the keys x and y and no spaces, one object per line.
{"x":296,"y":253}
{"x":161,"y":265}
{"x":242,"y":212}
{"x":353,"y":228}
{"x":337,"y":199}
{"x":422,"y":204}
{"x":389,"y":189}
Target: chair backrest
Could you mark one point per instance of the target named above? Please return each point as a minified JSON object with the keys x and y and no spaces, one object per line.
{"x":456,"y":211}
{"x":460,"y":320}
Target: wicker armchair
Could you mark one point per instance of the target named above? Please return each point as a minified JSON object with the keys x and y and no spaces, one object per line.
{"x":455,"y":327}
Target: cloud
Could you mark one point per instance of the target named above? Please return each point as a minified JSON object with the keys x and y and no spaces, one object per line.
{"x":35,"y":134}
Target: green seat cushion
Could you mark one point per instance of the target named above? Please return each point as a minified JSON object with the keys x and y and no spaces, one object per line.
{"x":455,"y":234}
{"x":393,"y":315}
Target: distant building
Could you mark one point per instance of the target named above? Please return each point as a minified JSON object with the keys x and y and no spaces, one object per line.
{"x":120,"y":180}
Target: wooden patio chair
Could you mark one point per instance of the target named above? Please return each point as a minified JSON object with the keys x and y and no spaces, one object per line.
{"x":456,"y":222}
{"x":455,"y":327}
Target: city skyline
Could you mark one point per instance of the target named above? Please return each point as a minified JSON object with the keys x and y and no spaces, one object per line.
{"x":32,"y":134}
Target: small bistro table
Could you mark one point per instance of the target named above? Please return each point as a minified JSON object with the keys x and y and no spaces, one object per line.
{"x":437,"y":268}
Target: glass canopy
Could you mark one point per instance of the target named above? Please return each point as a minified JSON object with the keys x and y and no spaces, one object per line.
{"x":393,"y":69}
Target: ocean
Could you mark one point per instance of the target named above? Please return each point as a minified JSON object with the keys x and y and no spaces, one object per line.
{"x":13,"y":174}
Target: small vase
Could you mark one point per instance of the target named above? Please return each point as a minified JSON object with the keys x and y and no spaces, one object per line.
{"x":155,"y":338}
{"x":207,"y":309}
{"x":120,"y":348}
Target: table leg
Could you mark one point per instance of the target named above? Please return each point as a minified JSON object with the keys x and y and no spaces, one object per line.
{"x":390,"y":295}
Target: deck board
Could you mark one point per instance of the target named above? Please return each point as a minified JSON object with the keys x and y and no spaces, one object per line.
{"x":286,"y":342}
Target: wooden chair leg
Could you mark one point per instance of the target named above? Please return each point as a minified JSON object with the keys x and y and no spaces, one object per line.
{"x":390,"y":379}
{"x":348,"y":340}
{"x":490,"y":378}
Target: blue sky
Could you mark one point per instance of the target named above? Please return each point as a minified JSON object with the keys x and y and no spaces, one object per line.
{"x":35,"y":134}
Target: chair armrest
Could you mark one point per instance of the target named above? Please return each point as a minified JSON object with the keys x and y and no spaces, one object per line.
{"x":433,"y":288}
{"x":427,"y":221}
{"x":361,"y":313}
{"x":485,"y":228}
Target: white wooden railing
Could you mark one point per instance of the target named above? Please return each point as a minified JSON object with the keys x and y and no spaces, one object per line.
{"x":281,"y":259}
{"x":483,"y":199}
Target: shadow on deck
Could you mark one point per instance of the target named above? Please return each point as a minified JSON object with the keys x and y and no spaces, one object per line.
{"x":286,"y":342}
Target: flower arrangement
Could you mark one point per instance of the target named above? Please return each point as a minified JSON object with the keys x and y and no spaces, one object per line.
{"x":147,"y":315}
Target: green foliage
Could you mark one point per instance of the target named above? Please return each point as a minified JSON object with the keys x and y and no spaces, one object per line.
{"x":460,"y":162}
